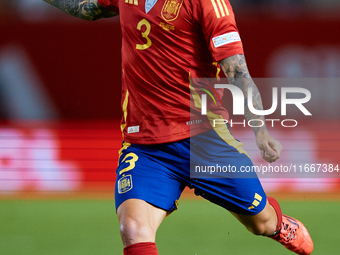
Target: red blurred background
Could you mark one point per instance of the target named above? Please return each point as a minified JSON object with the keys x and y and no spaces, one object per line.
{"x":60,"y":97}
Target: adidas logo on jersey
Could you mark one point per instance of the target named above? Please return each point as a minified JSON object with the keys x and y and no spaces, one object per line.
{"x":134,"y":129}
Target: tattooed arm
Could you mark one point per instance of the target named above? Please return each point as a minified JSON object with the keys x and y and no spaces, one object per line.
{"x":84,"y":9}
{"x":235,"y":68}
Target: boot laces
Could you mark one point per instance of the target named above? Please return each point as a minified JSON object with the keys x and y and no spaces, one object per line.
{"x":288,"y":233}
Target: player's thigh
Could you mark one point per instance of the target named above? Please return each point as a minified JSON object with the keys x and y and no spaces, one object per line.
{"x":144,"y":173}
{"x":217,"y":160}
{"x":240,"y":196}
{"x":262,"y":217}
{"x":141,"y":211}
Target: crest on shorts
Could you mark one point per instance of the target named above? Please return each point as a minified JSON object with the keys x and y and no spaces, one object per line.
{"x":125,"y":184}
{"x":171,"y":9}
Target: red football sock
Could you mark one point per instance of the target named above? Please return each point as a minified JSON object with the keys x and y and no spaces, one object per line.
{"x":277,"y":209}
{"x":147,"y":248}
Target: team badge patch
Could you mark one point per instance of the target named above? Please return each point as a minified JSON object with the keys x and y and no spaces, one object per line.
{"x":125,"y":184}
{"x":171,"y":9}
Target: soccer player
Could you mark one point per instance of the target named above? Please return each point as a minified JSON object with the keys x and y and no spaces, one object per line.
{"x":164,"y":44}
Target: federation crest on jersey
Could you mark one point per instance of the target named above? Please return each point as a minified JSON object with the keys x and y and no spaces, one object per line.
{"x":171,"y":9}
{"x":125,"y":184}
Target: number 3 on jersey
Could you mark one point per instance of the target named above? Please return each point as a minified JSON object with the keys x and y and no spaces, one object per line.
{"x":145,"y":34}
{"x":131,"y":161}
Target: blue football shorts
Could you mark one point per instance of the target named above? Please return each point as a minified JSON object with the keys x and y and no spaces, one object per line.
{"x":158,"y":173}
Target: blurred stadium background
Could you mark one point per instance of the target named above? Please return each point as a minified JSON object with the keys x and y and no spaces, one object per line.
{"x":59,"y":130}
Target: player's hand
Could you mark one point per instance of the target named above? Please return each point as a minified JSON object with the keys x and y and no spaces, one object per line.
{"x":270,"y":148}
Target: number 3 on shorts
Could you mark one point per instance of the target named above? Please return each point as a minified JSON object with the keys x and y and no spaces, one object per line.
{"x":131,"y":161}
{"x":144,"y":34}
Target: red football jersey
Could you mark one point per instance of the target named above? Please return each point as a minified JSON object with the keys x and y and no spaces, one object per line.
{"x":165,"y":42}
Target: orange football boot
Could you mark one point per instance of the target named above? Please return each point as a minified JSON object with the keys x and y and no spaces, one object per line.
{"x":294,"y":236}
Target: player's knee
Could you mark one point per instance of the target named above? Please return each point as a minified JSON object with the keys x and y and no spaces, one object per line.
{"x":133,"y":231}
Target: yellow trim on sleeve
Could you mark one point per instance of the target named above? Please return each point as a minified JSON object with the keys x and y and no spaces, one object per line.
{"x":221,"y":7}
{"x":218,"y":70}
{"x":216,"y":9}
{"x":225,"y":7}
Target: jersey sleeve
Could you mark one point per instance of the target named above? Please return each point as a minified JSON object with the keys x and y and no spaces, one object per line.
{"x":111,"y":5}
{"x":218,"y":24}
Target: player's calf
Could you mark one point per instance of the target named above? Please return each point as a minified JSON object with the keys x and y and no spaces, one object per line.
{"x":263,"y":223}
